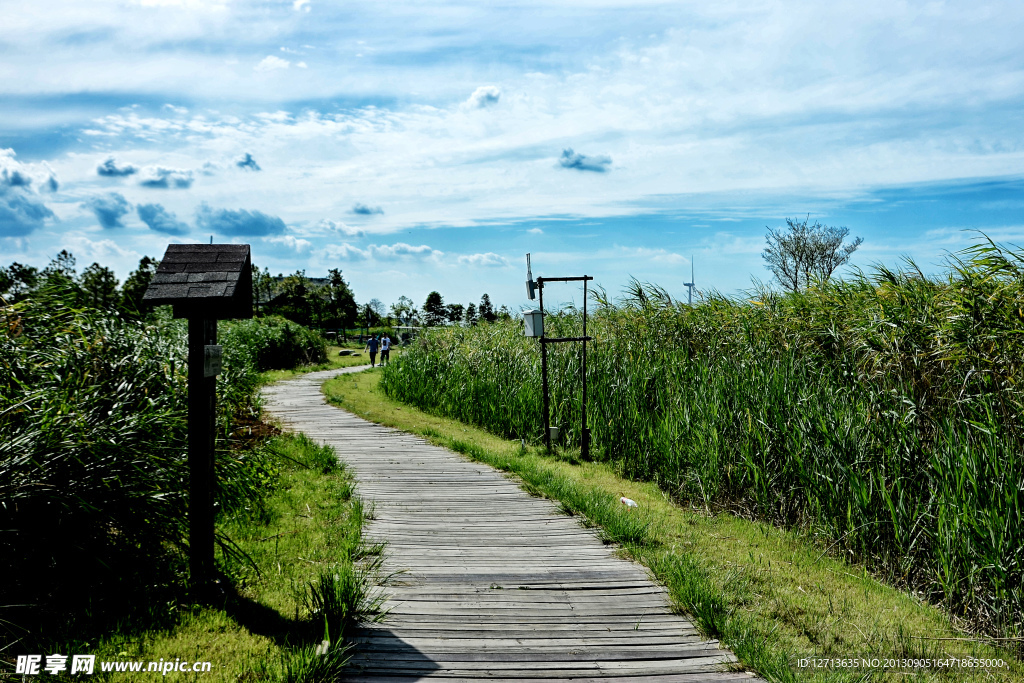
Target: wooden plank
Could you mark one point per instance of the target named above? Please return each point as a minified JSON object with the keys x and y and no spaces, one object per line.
{"x":528,"y":655}
{"x":707,"y":677}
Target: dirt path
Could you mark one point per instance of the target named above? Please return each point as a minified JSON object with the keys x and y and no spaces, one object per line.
{"x":497,"y":584}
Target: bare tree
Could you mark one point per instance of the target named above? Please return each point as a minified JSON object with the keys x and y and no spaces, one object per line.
{"x":804,"y":252}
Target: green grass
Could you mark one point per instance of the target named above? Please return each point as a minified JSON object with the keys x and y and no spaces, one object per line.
{"x":772,"y":595}
{"x":305,"y":579}
{"x":334,"y":361}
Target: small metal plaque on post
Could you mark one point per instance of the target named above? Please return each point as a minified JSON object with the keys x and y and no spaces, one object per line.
{"x":212,"y":354}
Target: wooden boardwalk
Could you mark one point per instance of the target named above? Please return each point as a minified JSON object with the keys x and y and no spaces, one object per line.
{"x":496,"y":584}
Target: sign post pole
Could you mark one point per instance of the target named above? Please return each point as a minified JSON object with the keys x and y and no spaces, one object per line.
{"x":202,"y":428}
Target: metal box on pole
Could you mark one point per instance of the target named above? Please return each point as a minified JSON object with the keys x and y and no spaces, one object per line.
{"x":533,"y":322}
{"x":203,"y":283}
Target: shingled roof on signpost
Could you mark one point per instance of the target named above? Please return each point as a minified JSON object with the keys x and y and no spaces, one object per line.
{"x":205,"y":280}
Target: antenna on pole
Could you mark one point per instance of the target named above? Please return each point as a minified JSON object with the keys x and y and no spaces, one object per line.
{"x":690,"y":285}
{"x":531,"y":284}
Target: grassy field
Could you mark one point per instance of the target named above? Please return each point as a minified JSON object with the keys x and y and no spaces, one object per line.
{"x":300,"y":584}
{"x":772,"y":595}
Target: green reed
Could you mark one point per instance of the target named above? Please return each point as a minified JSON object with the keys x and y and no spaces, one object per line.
{"x":93,"y":468}
{"x":881,"y":412}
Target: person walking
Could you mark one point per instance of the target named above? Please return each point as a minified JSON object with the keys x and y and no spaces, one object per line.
{"x":385,"y":348}
{"x":371,"y":346}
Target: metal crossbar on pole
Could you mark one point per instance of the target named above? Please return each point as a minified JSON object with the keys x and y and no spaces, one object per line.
{"x":559,"y":340}
{"x":579,"y":278}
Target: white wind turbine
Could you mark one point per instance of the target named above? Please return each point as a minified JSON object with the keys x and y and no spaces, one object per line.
{"x":690,"y":285}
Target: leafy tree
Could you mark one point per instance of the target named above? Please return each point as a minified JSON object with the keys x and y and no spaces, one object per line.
{"x":292,"y":302}
{"x":486,"y":310}
{"x":17,"y":280}
{"x":434,"y":313}
{"x":453,"y":312}
{"x":99,"y":287}
{"x":262,"y":288}
{"x":59,"y":275}
{"x":342,"y":309}
{"x":804,"y":252}
{"x":471,"y":315}
{"x":504,"y":313}
{"x":63,"y":264}
{"x":404,"y":310}
{"x":135,"y":285}
{"x":370,"y":317}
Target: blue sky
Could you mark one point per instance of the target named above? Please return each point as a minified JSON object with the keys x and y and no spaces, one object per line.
{"x":429,"y":145}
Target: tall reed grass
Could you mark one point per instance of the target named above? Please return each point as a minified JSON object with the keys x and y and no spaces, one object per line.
{"x":882,"y":413}
{"x":93,"y":469}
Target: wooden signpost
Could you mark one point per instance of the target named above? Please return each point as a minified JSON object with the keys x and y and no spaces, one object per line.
{"x":204,"y":283}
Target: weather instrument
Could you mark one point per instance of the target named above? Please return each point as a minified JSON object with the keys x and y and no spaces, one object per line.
{"x":534,"y":327}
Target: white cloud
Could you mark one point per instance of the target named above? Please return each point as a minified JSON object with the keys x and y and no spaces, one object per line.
{"x":655,"y":255}
{"x":272,"y":63}
{"x":100,"y":251}
{"x":535,"y":231}
{"x":728,"y":243}
{"x":484,"y":96}
{"x":189,"y":4}
{"x":302,"y":65}
{"x":299,"y":246}
{"x":166,"y":178}
{"x":399,"y":250}
{"x":382,"y":252}
{"x":346,"y":252}
{"x":301,"y":5}
{"x":488,"y":260}
{"x":340,"y":228}
{"x":25,"y":176}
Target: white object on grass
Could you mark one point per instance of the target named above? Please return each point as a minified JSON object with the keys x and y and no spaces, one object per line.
{"x":629,"y":502}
